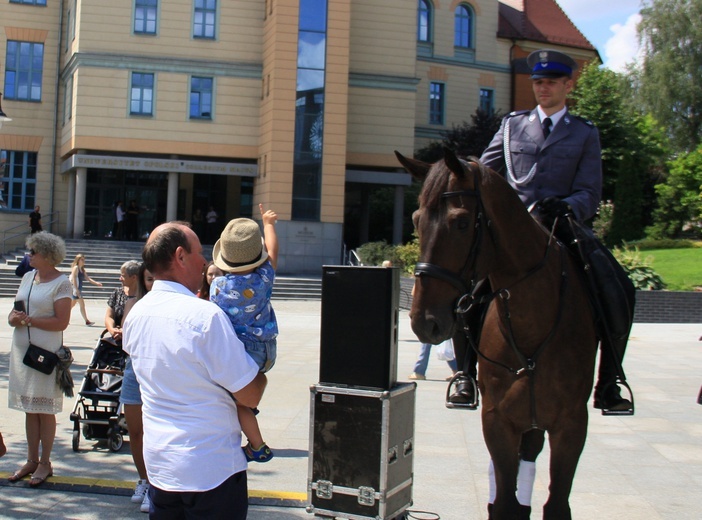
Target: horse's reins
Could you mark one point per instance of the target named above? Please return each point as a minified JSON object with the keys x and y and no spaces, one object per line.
{"x":467,"y":299}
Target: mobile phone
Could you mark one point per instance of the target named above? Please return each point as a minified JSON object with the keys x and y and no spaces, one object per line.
{"x":19,"y":306}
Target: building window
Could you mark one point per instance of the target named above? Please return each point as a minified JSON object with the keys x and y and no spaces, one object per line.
{"x":436,"y":103}
{"x":204,"y":18}
{"x":29,"y":2}
{"x":68,"y":101}
{"x":463,"y":19}
{"x":145,"y":13}
{"x":18,"y":179}
{"x":142,"y":94}
{"x":201,"y":98}
{"x":424,"y":21}
{"x":487,"y":101}
{"x":309,"y":111}
{"x":23,"y":70}
{"x":68,"y":30}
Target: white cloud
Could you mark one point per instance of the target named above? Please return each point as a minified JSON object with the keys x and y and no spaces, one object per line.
{"x":623,"y":47}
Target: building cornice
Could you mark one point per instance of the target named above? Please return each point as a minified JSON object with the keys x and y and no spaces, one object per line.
{"x":162,"y":64}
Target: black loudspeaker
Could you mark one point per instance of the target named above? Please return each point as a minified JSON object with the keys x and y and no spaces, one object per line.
{"x":360,"y":313}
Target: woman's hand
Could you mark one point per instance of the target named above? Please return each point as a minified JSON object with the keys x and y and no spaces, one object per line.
{"x":16,"y":318}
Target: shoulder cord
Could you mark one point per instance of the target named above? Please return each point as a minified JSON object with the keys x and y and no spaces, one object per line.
{"x":508,"y":160}
{"x":28,"y":295}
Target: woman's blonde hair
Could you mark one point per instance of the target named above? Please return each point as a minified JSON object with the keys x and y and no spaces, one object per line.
{"x":77,"y":259}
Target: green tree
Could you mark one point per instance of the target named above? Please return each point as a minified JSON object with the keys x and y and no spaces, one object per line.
{"x":466,"y":139}
{"x":671,"y":72}
{"x":631,"y":148}
{"x":680,"y":198}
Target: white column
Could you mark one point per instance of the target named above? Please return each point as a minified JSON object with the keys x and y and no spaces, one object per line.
{"x":70,"y":214}
{"x":80,"y":192}
{"x":172,"y":201}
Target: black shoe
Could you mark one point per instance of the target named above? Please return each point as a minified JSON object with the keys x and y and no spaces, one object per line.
{"x":464,"y":394}
{"x":612,"y":403}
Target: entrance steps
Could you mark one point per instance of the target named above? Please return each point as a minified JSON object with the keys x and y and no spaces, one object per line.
{"x":103,"y":259}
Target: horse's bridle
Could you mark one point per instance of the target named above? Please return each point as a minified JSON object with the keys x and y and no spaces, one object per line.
{"x":466,"y":290}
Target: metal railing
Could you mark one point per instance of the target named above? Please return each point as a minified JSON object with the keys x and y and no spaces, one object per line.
{"x":11,"y":234}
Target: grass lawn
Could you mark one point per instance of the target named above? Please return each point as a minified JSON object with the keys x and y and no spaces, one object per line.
{"x":681,"y":269}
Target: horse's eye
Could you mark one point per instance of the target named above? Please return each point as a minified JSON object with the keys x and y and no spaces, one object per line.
{"x":463,"y":223}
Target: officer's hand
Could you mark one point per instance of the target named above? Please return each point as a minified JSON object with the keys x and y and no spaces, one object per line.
{"x":555,"y":207}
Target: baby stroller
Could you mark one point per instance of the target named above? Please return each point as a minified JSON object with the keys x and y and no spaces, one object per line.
{"x":97,"y":407}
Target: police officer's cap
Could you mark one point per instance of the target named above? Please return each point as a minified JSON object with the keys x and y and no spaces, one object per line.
{"x":547,"y":63}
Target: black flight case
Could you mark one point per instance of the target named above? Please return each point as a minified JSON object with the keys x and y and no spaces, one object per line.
{"x":361,"y":452}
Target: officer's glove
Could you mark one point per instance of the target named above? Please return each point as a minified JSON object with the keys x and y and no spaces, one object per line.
{"x":554,"y":207}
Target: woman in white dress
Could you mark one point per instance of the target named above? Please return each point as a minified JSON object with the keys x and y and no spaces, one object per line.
{"x":46,"y":296}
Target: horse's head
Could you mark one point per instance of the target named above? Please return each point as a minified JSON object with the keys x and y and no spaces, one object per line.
{"x":449,"y":222}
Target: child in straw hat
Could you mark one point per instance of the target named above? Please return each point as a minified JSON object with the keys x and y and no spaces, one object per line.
{"x":244,"y":293}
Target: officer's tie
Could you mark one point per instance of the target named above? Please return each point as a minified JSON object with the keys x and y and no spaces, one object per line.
{"x":546,"y":126}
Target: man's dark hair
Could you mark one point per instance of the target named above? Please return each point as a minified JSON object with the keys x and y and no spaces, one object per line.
{"x":158,"y":253}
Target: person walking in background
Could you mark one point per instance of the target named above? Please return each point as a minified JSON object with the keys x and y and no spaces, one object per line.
{"x":3,"y":448}
{"x":118,"y":228}
{"x":419,"y":372}
{"x":35,"y":220}
{"x":132,"y":221}
{"x":77,"y":277}
{"x":129,"y":277}
{"x":244,"y":294}
{"x":187,"y":379}
{"x":41,"y":314}
{"x":211,"y":230}
{"x":130,"y":397}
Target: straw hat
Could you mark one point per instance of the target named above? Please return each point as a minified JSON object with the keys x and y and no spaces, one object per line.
{"x":240,"y":247}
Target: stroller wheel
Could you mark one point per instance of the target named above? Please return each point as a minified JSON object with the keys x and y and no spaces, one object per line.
{"x":76,"y":439}
{"x":116,"y":442}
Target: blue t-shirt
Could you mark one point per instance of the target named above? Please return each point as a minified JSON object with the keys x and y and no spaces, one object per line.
{"x":247,"y":301}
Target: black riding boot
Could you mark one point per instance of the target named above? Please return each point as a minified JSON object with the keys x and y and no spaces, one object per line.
{"x":462,"y":391}
{"x":616,"y":294}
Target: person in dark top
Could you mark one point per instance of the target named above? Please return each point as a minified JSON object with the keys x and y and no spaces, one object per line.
{"x":35,"y":220}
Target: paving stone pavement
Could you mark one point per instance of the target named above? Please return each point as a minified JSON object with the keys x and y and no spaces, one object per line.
{"x":648,"y":466}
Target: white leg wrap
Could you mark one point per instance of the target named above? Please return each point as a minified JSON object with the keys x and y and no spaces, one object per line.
{"x":525,"y":482}
{"x":492,"y":485}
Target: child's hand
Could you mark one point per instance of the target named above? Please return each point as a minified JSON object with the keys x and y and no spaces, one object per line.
{"x":269,"y":217}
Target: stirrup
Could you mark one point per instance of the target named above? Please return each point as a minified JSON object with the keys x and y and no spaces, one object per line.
{"x":453,"y":387}
{"x":628,"y":411}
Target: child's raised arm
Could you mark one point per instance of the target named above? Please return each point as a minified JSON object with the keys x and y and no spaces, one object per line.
{"x":269,"y":236}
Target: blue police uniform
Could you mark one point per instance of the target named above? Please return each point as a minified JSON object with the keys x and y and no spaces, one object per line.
{"x":567,"y":164}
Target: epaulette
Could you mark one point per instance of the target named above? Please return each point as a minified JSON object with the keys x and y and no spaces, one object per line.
{"x":586,"y":121}
{"x":518,"y":113}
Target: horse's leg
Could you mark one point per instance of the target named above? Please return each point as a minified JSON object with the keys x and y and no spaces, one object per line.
{"x":566,"y":446}
{"x":529,"y":449}
{"x":503,"y":444}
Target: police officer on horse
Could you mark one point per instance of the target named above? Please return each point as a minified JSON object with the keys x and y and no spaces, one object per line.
{"x":552,"y":159}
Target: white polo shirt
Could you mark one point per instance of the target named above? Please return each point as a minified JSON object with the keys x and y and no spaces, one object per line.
{"x":187,"y":359}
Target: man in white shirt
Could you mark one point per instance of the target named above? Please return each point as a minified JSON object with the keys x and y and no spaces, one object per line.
{"x":189,"y":363}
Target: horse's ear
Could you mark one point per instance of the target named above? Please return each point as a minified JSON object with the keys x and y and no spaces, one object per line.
{"x":417,"y":169}
{"x":452,"y":161}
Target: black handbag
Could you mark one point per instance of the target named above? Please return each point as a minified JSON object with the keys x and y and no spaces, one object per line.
{"x":40,"y":359}
{"x":36,"y":357}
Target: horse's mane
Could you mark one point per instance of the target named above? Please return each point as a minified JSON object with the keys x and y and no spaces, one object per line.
{"x":436,"y":182}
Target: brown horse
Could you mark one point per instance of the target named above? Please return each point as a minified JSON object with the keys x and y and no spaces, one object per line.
{"x":538,"y":343}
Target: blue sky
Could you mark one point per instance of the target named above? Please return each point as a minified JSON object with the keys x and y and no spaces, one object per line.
{"x":610,"y":25}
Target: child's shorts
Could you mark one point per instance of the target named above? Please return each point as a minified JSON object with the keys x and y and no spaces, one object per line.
{"x":262,"y":352}
{"x":130,"y":393}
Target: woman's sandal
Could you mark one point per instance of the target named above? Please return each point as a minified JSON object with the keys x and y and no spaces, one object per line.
{"x":23,"y":472}
{"x":38,"y":481}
